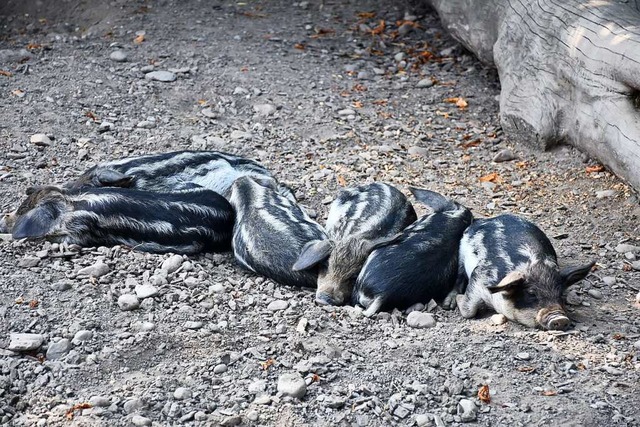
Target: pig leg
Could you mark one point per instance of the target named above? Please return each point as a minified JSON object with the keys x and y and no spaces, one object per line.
{"x":451,"y":300}
{"x":374,"y":307}
{"x":472,"y":300}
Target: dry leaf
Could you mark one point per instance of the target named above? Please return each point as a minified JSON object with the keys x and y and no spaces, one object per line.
{"x":32,"y":46}
{"x":549,"y":393}
{"x":627,"y":267}
{"x":380,"y":102}
{"x":315,"y":378}
{"x":461,"y":103}
{"x":483,"y":394}
{"x":244,"y":69}
{"x":17,"y":92}
{"x":320,"y":32}
{"x":492,"y":177}
{"x":596,"y":168}
{"x":33,"y":303}
{"x":442,"y":113}
{"x":526,"y":368}
{"x":345,"y":94}
{"x":619,"y":336}
{"x":300,"y":46}
{"x":379,"y":29}
{"x":203,"y":102}
{"x":266,"y":364}
{"x":5,"y":73}
{"x":42,"y":20}
{"x":359,"y":88}
{"x":341,"y":181}
{"x":470,"y":144}
{"x":92,"y":116}
{"x":357,"y":104}
{"x":19,"y":300}
{"x":139,"y":39}
{"x":77,"y":407}
{"x":521,"y":164}
{"x":254,"y":15}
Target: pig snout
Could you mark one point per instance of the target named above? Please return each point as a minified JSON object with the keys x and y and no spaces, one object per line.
{"x":6,"y":223}
{"x":330,"y":294}
{"x":553,"y":318}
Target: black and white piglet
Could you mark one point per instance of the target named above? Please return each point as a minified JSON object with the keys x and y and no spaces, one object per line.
{"x":511,"y":267}
{"x":270,"y":232}
{"x":187,"y":222}
{"x":178,"y":170}
{"x":422,"y":264}
{"x":360,"y":220}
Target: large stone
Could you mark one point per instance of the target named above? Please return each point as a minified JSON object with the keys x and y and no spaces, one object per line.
{"x":292,"y":384}
{"x":419,"y":319}
{"x":128,"y":302}
{"x":58,"y":350}
{"x":161,"y":76}
{"x":25,"y":342}
{"x":96,"y":270}
{"x":172,"y":263}
{"x":467,"y":410}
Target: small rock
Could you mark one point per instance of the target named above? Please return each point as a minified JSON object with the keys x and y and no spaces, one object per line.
{"x":193,"y":324}
{"x":346,"y":112}
{"x":425,"y":83}
{"x":252,"y":416}
{"x":262,"y":399}
{"x":505,"y":155}
{"x":609,"y":280}
{"x":118,"y":56}
{"x":58,"y":350}
{"x":498,"y":319}
{"x":140,"y":421}
{"x":182,"y":393}
{"x":302,"y":325}
{"x":605,"y":193}
{"x":636,"y":265}
{"x":161,"y":76}
{"x":401,"y":412}
{"x":208,"y":112}
{"x":238,"y":134}
{"x":83,"y":153}
{"x":105,"y":127}
{"x":573,"y":298}
{"x":25,"y":342}
{"x":399,"y":56}
{"x":40,"y":139}
{"x":467,"y":410}
{"x":638,"y":298}
{"x":98,"y":269}
{"x":523,"y":356}
{"x":99,"y":401}
{"x":233,"y":420}
{"x":422,"y":420}
{"x":264,"y":109}
{"x":146,"y":291}
{"x":419,"y":319}
{"x":220,"y":369}
{"x":257,"y":386}
{"x":146,"y":124}
{"x":415,"y":307}
{"x":82,"y":336}
{"x":172,"y":263}
{"x":128,"y":302}
{"x":133,"y":405}
{"x":625,"y":247}
{"x":240,"y":91}
{"x":292,"y":384}
{"x":29,"y":261}
{"x":594,"y":293}
{"x":418,"y":151}
{"x":278,"y":305}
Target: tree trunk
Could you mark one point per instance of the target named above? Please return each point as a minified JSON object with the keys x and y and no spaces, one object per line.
{"x":569,"y":70}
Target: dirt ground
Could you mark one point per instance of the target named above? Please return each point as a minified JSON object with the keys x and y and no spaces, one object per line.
{"x":325,"y":94}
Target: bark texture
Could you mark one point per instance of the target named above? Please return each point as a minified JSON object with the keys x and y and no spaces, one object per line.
{"x":569,"y":70}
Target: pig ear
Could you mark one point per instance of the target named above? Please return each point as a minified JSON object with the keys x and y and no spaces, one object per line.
{"x":113,"y":178}
{"x":509,"y":283}
{"x":312,"y":254}
{"x":572,"y":275}
{"x":36,"y":223}
{"x":435,"y":201}
{"x":384,"y":241}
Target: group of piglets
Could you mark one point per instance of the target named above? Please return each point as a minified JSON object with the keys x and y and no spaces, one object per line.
{"x":373,"y":251}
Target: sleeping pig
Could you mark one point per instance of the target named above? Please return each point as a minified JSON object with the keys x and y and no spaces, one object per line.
{"x":512,"y":268}
{"x":421,"y":264}
{"x":186,"y":222}
{"x":360,"y":220}
{"x":270,"y":232}
{"x":176,"y":170}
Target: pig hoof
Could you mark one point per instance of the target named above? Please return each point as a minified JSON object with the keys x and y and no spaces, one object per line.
{"x":325,"y":299}
{"x":558,"y":323}
{"x":450,"y":302}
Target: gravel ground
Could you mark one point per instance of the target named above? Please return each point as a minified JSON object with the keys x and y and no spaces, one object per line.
{"x":325,"y":97}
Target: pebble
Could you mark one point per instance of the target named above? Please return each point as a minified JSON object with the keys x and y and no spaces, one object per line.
{"x":346,"y":112}
{"x":609,"y":280}
{"x":82,"y":336}
{"x":425,"y":83}
{"x":146,"y":124}
{"x":98,"y":269}
{"x":292,"y":384}
{"x":83,"y":153}
{"x":240,"y":91}
{"x":208,"y":112}
{"x":172,"y":263}
{"x":418,"y":151}
{"x":498,"y":319}
{"x":233,"y":420}
{"x":278,"y":305}
{"x":264,"y":109}
{"x":257,"y":386}
{"x":467,"y":410}
{"x":161,"y":76}
{"x":220,"y":369}
{"x":104,"y":127}
{"x":182,"y":393}
{"x":61,"y":285}
{"x":29,"y":261}
{"x":422,"y":420}
{"x":399,"y":56}
{"x":636,"y":265}
{"x":505,"y":155}
{"x":100,"y":401}
{"x":128,"y":302}
{"x":40,"y":139}
{"x":419,"y":319}
{"x":252,"y":415}
{"x":523,"y":356}
{"x":193,"y":324}
{"x":58,"y":350}
{"x":573,"y":298}
{"x":605,"y":193}
{"x":139,"y":420}
{"x":238,"y":134}
{"x":146,"y":291}
{"x":625,"y":247}
{"x":594,"y":293}
{"x":118,"y":56}
{"x":25,"y":342}
{"x":262,"y":399}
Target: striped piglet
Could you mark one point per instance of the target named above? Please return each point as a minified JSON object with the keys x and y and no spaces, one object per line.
{"x":186,"y":222}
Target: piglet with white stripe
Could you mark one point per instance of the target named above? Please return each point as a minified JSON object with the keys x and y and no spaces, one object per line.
{"x":421,"y":264}
{"x":270,"y":232}
{"x":178,"y":170}
{"x":512,"y":268}
{"x":186,"y":222}
{"x":360,"y":220}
